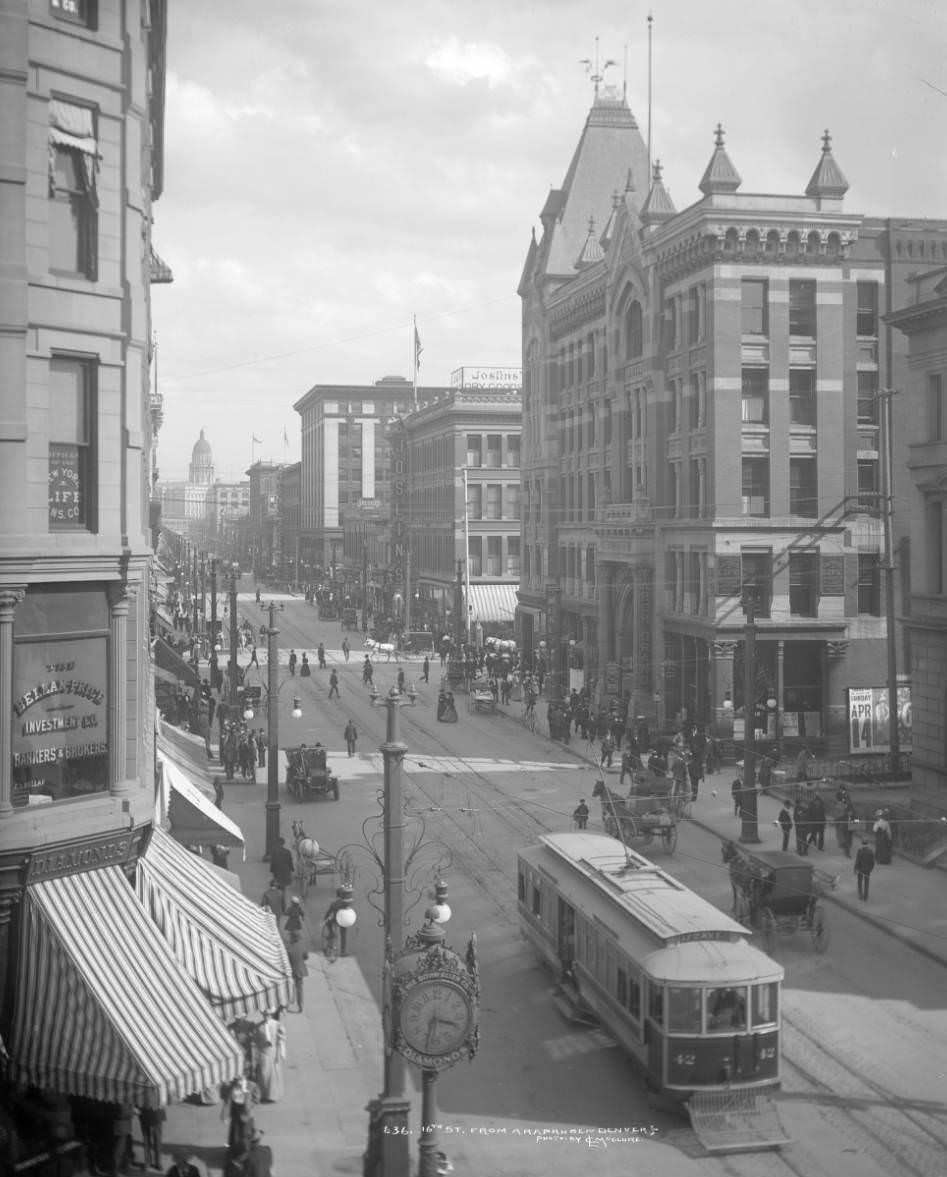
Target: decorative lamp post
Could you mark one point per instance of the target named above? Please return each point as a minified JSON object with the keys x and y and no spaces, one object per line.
{"x":213,"y":603}
{"x":749,"y":832}
{"x":345,"y":915}
{"x":234,"y":573}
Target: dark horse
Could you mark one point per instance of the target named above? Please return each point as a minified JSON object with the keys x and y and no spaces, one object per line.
{"x":751,"y":891}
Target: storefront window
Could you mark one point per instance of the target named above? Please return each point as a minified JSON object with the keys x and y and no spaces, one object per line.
{"x":683,"y":1010}
{"x":60,"y":695}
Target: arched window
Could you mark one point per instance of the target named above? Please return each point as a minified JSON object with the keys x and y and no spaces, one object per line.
{"x":813,"y":244}
{"x":833,"y":245}
{"x":772,"y":243}
{"x":634,"y":330}
{"x":731,"y":241}
{"x":792,"y":243}
{"x":752,"y":246}
{"x":590,"y":356}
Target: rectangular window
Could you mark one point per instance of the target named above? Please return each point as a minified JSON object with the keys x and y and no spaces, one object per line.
{"x":494,"y":555}
{"x":474,"y":500}
{"x":756,"y":487}
{"x":72,"y":416}
{"x":869,"y":484}
{"x":935,"y":546}
{"x":537,"y":901}
{"x":512,"y":555}
{"x":655,"y":1003}
{"x":494,"y":501}
{"x":802,"y":319}
{"x":765,"y":1004}
{"x":607,"y":423}
{"x":753,"y":301}
{"x":475,"y":555}
{"x":804,"y":584}
{"x":521,"y":886}
{"x":869,"y":583}
{"x":474,"y":449}
{"x":73,"y":204}
{"x":936,"y":408}
{"x":634,"y":998}
{"x":867,"y":313}
{"x":755,"y":388}
{"x":693,"y":315}
{"x":803,"y":487}
{"x":697,"y":487}
{"x":802,"y":409}
{"x":590,"y":497}
{"x":494,"y":451}
{"x":726,"y":1010}
{"x":511,"y":500}
{"x":867,"y":398}
{"x":513,"y":451}
{"x":756,"y":579}
{"x":621,"y":987}
{"x":80,"y":12}
{"x":683,"y":1010}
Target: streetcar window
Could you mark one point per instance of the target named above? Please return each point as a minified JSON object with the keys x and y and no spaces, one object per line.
{"x":537,"y":901}
{"x":726,"y":1010}
{"x":634,"y":998}
{"x":683,"y":1010}
{"x":765,"y":1003}
{"x":521,"y":887}
{"x":656,"y":1003}
{"x":621,"y":987}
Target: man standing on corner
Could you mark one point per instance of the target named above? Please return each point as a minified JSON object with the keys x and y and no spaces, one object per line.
{"x":282,"y":866}
{"x":864,"y":865}
{"x":351,"y":735}
{"x":334,"y":684}
{"x":426,"y":668}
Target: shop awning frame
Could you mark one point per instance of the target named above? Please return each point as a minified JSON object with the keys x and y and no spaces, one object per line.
{"x":194,"y":819}
{"x":103,"y":1010}
{"x":229,"y":946}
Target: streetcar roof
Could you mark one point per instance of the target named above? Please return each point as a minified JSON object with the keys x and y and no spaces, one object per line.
{"x":623,"y":879}
{"x":712,"y":962}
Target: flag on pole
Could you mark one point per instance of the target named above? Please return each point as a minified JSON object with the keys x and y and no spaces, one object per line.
{"x":417,"y":347}
{"x":285,"y":436}
{"x":257,"y":440}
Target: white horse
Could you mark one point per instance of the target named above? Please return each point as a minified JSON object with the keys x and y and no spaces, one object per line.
{"x":389,"y":649}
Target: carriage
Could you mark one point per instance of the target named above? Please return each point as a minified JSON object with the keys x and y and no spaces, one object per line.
{"x":482,"y":697}
{"x":778,"y":892}
{"x":308,"y":776}
{"x":311,"y":860}
{"x":641,"y":814}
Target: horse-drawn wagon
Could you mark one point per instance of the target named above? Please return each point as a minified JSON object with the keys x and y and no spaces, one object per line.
{"x":482,"y":697}
{"x":308,"y":775}
{"x":311,"y":860}
{"x":778,"y":892}
{"x":641,"y":814}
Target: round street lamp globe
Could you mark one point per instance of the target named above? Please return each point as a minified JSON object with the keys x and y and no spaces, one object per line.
{"x":441,"y":913}
{"x":345,"y":917}
{"x":248,"y":714}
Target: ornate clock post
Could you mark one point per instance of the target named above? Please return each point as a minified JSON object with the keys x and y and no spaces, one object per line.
{"x":434,"y":998}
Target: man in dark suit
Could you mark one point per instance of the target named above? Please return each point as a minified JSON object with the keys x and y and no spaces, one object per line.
{"x":281,"y":864}
{"x":259,"y":1158}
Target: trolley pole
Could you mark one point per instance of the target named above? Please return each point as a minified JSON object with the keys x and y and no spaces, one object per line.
{"x":749,"y":831}
{"x":272,"y":736}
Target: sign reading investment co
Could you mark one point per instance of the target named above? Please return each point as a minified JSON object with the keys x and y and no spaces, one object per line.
{"x":60,"y":721}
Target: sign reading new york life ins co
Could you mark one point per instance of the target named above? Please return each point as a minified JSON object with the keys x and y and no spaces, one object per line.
{"x":60,"y":719}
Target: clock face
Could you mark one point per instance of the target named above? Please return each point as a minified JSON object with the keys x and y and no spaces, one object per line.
{"x":435,"y":1016}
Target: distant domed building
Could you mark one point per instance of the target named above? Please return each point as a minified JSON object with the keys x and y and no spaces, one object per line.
{"x":201,"y":472}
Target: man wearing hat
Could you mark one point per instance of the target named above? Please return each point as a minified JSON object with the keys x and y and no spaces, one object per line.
{"x":864,"y":865}
{"x":182,"y":1167}
{"x":580,"y":815}
{"x":259,"y":1157}
{"x":295,"y":916}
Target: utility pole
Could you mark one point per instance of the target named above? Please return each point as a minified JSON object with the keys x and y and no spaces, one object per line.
{"x":233,"y":635}
{"x":213,"y":603}
{"x":272,"y":735}
{"x":749,"y":831}
{"x":885,"y":397}
{"x":365,"y":584}
{"x":459,"y":609}
{"x":407,"y":585}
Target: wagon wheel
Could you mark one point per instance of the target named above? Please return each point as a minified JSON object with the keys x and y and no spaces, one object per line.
{"x":819,"y":929}
{"x":768,"y":927}
{"x":669,"y":834}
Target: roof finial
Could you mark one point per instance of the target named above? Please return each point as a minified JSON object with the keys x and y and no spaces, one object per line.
{"x":592,"y":69}
{"x":630,"y":182}
{"x":657,"y":171}
{"x":718,"y":135}
{"x":826,"y":142}
{"x":591,"y":225}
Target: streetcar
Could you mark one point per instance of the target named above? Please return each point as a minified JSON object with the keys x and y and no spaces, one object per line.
{"x":671,"y":977}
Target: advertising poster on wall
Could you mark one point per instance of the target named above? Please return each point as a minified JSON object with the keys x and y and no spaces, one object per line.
{"x":868,"y":720}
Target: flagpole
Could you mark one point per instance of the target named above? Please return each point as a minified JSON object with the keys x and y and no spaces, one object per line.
{"x":414,"y":366}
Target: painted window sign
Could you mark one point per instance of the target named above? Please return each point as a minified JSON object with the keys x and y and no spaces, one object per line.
{"x":868,"y":720}
{"x":60,"y":719}
{"x":66,"y":489}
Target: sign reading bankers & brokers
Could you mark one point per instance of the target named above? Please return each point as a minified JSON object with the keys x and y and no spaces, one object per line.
{"x":60,"y":718}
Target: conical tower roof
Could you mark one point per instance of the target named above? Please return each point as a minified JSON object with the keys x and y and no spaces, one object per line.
{"x":659,"y":206}
{"x":591,"y":251}
{"x":609,"y":147}
{"x":827,"y":179}
{"x":609,"y":231}
{"x":720,"y":175}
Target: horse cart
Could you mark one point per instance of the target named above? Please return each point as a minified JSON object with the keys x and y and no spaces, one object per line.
{"x":308,"y":776}
{"x":638,"y":815}
{"x":311,"y":861}
{"x":481,"y":697}
{"x":776,"y":892}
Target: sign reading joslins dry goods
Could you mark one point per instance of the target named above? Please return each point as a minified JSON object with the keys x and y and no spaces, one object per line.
{"x":60,"y":720}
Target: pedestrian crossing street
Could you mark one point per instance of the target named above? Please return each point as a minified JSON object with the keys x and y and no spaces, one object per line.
{"x":333,"y":657}
{"x":370,"y":765}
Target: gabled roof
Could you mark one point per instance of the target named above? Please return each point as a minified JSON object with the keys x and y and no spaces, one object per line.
{"x":720,"y":175}
{"x":528,"y":265}
{"x":827,"y":179}
{"x":609,"y":147}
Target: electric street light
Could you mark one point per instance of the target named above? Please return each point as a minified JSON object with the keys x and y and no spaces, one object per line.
{"x":234,"y":573}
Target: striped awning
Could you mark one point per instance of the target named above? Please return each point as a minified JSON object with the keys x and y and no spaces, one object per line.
{"x":194,"y":819}
{"x":492,"y":602}
{"x":102,"y":1008}
{"x":231,"y":947}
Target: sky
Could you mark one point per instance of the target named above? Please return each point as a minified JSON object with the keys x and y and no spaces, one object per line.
{"x":335,"y":169}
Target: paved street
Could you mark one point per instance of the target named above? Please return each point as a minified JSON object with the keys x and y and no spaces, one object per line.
{"x":865,"y":1031}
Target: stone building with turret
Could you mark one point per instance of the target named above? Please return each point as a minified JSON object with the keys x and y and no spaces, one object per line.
{"x":701,"y":422}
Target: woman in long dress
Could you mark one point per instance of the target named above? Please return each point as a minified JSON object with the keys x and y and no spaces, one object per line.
{"x":270,"y":1052}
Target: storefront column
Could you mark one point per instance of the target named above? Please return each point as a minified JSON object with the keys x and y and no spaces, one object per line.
{"x":780,"y":668}
{"x":119,"y":601}
{"x":723,"y":655}
{"x":9,"y":599}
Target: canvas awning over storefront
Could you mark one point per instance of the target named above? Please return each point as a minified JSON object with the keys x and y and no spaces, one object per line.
{"x":231,"y":947}
{"x":103,"y":1010}
{"x":492,"y":602}
{"x":169,"y":660}
{"x":194,"y":819}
